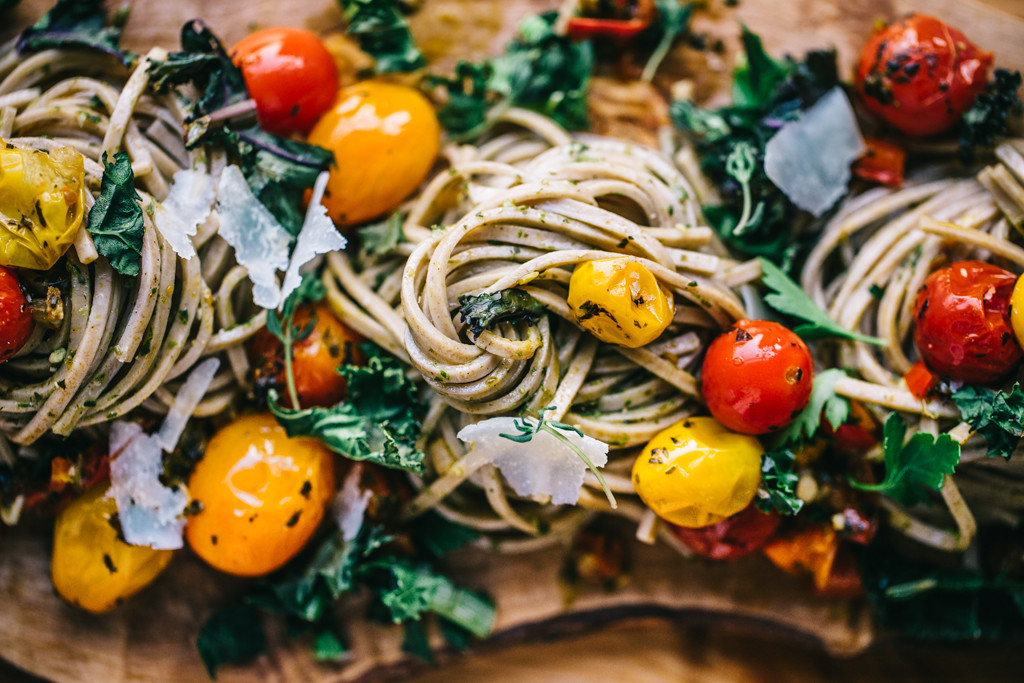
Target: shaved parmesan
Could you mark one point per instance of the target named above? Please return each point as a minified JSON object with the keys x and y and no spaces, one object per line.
{"x":187,"y":206}
{"x":809,"y":159}
{"x":260,"y":243}
{"x":349,"y":507}
{"x":542,"y":466}
{"x":318,"y":236}
{"x":185,"y":402}
{"x":150,"y":513}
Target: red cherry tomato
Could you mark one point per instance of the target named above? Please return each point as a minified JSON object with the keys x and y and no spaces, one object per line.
{"x":920,"y":75}
{"x":732,"y":538}
{"x":757,"y":377}
{"x":962,"y":322}
{"x":290,"y":74}
{"x":857,"y":434}
{"x":920,"y":380}
{"x":16,"y":322}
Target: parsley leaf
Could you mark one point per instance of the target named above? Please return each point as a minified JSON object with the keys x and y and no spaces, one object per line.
{"x":789,"y":298}
{"x":231,"y":635}
{"x":995,"y":415}
{"x":115,"y":220}
{"x":379,"y":422}
{"x":381,"y":238}
{"x":986,"y":121}
{"x":483,"y":311}
{"x":778,"y":483}
{"x":823,"y":398}
{"x":922,"y":462}
{"x":76,"y":23}
{"x":383,"y":33}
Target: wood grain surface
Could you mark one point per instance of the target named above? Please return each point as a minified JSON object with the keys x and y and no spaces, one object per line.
{"x":676,"y":621}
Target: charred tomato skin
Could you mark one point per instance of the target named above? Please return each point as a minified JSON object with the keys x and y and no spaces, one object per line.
{"x":732,"y":538}
{"x":962,"y":323}
{"x":757,"y":377}
{"x":920,"y":75}
{"x":16,"y":322}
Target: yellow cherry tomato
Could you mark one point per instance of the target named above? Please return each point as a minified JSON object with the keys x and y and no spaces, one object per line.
{"x":697,"y":473}
{"x":262,"y":494}
{"x":1017,"y":310}
{"x":385,"y":138}
{"x":41,"y":205}
{"x":92,"y":568}
{"x":620,"y":302}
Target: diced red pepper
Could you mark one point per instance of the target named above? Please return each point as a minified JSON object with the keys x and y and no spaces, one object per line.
{"x":883,"y":163}
{"x":586,"y":27}
{"x":920,"y":380}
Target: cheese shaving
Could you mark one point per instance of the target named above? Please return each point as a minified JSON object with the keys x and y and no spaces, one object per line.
{"x":317,"y":236}
{"x":185,"y":402}
{"x":187,"y":206}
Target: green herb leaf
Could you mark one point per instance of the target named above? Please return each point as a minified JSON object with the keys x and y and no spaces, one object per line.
{"x":115,"y":220}
{"x":435,"y":535}
{"x":757,"y":76}
{"x":995,"y":415}
{"x":673,"y":21}
{"x":327,"y":646}
{"x":922,"y":462}
{"x":381,"y":238}
{"x":778,"y":483}
{"x":380,"y":421}
{"x":383,"y":33}
{"x":823,"y":399}
{"x":76,"y":23}
{"x":986,"y":122}
{"x":789,"y":298}
{"x":483,"y":311}
{"x":416,"y":589}
{"x":229,"y":636}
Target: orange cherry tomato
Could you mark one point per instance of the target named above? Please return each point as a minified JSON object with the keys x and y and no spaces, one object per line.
{"x":262,"y":493}
{"x":16,"y":322}
{"x":757,"y":377}
{"x":315,"y":359}
{"x":291,"y":76}
{"x":920,"y":75}
{"x":385,"y":138}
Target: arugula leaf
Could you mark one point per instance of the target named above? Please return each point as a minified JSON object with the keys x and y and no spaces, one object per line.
{"x":922,"y":462}
{"x":231,"y":635}
{"x":76,"y":23}
{"x":115,"y":220}
{"x":995,"y":415}
{"x":789,"y":298}
{"x":673,"y":21}
{"x":541,"y":70}
{"x":379,"y":422}
{"x":823,"y":398}
{"x":482,"y":311}
{"x":381,"y":238}
{"x":778,"y":483}
{"x":383,"y":33}
{"x":987,"y":120}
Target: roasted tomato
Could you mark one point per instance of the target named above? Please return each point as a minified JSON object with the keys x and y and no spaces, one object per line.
{"x":732,"y":538}
{"x":858,"y":434}
{"x":817,"y":550}
{"x":619,"y":301}
{"x":920,"y":75}
{"x":385,"y":138}
{"x":92,"y":568}
{"x":262,"y":494}
{"x":962,"y":322}
{"x":315,"y":359}
{"x":1017,"y":310}
{"x":16,"y":322}
{"x":697,"y":473}
{"x":757,"y":377}
{"x":291,"y":76}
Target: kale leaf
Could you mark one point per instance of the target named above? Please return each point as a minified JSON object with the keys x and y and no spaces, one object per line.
{"x":778,"y":483}
{"x":115,"y":220}
{"x":383,"y":33}
{"x":995,"y":415}
{"x":483,"y":311}
{"x":986,"y":121}
{"x":231,"y":635}
{"x":76,"y":23}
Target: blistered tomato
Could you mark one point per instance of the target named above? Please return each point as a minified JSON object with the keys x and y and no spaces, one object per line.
{"x":697,"y":473}
{"x":732,"y":538}
{"x":920,"y":74}
{"x":91,"y":567}
{"x":16,"y":322}
{"x":262,"y":496}
{"x":619,"y":301}
{"x":962,"y":322}
{"x":291,"y":76}
{"x":757,"y":377}
{"x":385,"y":138}
{"x":315,"y":359}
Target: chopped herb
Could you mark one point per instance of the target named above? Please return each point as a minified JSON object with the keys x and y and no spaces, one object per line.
{"x":383,"y":33}
{"x":986,"y":122}
{"x":483,"y":311}
{"x":381,"y":238}
{"x":673,"y":21}
{"x":778,"y":483}
{"x":115,"y":220}
{"x":995,"y":415}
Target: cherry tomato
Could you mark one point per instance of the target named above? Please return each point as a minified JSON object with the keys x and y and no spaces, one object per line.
{"x":315,"y":359}
{"x":757,"y":377}
{"x":696,"y":472}
{"x":262,"y":493}
{"x":920,"y":380}
{"x":91,"y":567}
{"x":1017,"y":310}
{"x":619,"y":301}
{"x":883,"y":163}
{"x":385,"y":138}
{"x":920,"y":75}
{"x":290,"y":74}
{"x":858,"y":434}
{"x":962,"y":322}
{"x":732,"y":538}
{"x":16,"y":322}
